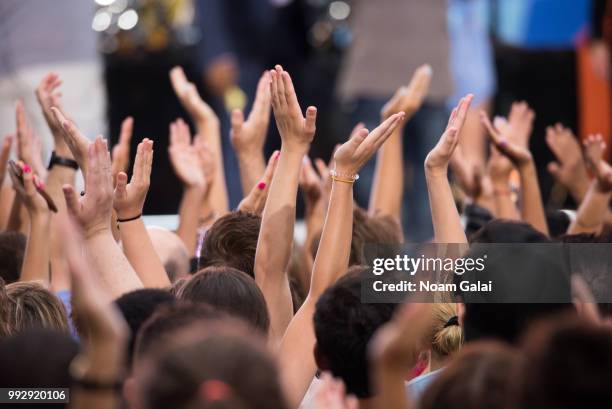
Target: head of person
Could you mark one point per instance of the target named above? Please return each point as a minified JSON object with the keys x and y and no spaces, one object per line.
{"x":343,"y":328}
{"x":446,"y":335}
{"x":481,"y":376}
{"x":220,"y":364}
{"x":228,"y":290}
{"x":568,"y":364}
{"x":37,"y":358}
{"x":12,"y":249}
{"x":232,"y":241}
{"x":529,"y":277}
{"x":171,"y":251}
{"x":367,"y":229}
{"x":137,"y":306}
{"x":29,"y":305}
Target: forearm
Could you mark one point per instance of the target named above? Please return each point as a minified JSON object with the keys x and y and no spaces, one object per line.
{"x":275,"y":241}
{"x":504,"y":205}
{"x":7,"y":196}
{"x":115,"y":271}
{"x":210,"y":131}
{"x":579,"y":190}
{"x":189,"y":216}
{"x":37,"y":253}
{"x":592,"y":211}
{"x":388,"y":184}
{"x":140,"y":253}
{"x":444,"y":214}
{"x":390,"y":388}
{"x":531,"y":204}
{"x":252,"y":166}
{"x":16,"y":221}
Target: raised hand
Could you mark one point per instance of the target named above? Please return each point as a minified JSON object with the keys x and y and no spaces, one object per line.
{"x":48,"y":96}
{"x":511,"y":147}
{"x":408,"y":99}
{"x":439,"y":157}
{"x":570,"y":168}
{"x":520,"y":120}
{"x":312,"y":182}
{"x":74,"y":139}
{"x":190,"y":99}
{"x":353,"y":154}
{"x":35,"y":204}
{"x":249,"y":136}
{"x":594,"y":148}
{"x":185,"y":157}
{"x":29,"y":147}
{"x":255,"y":201}
{"x":129,"y":198}
{"x":295,"y":130}
{"x":93,"y":210}
{"x":121,"y":151}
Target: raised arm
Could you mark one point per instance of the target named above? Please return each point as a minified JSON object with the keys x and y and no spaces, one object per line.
{"x":297,"y":362}
{"x":6,"y":194}
{"x":128,"y":203}
{"x":499,"y":169}
{"x":570,"y":169}
{"x":93,"y":212}
{"x":593,"y":209}
{"x":276,"y":235}
{"x":388,"y":184}
{"x":120,"y":154}
{"x":532,"y":209}
{"x":209,"y":129}
{"x":444,"y":215}
{"x":248,"y":137}
{"x":188,"y":160}
{"x":37,"y":254}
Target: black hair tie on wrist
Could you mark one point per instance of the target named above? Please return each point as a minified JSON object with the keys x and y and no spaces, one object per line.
{"x":452,"y":321}
{"x":61,"y":161}
{"x":130,"y":219}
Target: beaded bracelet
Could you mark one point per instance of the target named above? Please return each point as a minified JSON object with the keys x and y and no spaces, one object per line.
{"x":344,"y":178}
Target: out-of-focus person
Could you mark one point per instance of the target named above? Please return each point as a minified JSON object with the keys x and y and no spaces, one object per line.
{"x":535,"y":49}
{"x":391,"y":38}
{"x":39,"y":37}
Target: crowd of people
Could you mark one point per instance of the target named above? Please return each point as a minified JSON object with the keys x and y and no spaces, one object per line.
{"x":228,"y":311}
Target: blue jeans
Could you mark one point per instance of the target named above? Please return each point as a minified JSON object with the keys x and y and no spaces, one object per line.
{"x":420,"y":136}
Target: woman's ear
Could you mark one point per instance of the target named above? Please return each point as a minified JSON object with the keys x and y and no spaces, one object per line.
{"x":320,"y":359}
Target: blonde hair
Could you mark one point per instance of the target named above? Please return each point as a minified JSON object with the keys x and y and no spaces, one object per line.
{"x":30,"y":305}
{"x":445,"y":339}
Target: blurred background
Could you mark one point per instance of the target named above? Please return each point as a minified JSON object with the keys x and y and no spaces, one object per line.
{"x":347,"y":57}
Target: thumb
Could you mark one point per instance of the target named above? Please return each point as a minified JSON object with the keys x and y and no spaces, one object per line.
{"x":120,"y":188}
{"x":311,"y":119}
{"x":72,"y":203}
{"x":28,"y":183}
{"x":237,"y":119}
{"x":554,"y":169}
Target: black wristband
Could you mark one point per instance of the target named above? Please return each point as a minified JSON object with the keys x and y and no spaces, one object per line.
{"x":129,"y":219}
{"x":61,"y":161}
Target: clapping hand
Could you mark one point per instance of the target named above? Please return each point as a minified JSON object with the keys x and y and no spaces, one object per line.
{"x":130,"y":197}
{"x":408,"y":99}
{"x":515,"y":150}
{"x":76,"y":141}
{"x":189,"y":160}
{"x":121,"y":151}
{"x":190,"y":99}
{"x":594,"y":148}
{"x":570,"y":168}
{"x":255,"y":201}
{"x":29,"y":147}
{"x":296,"y":131}
{"x":249,"y":136}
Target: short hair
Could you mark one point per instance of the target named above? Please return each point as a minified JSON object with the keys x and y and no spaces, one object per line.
{"x":568,"y":365}
{"x":498,"y":315}
{"x":221,"y":365}
{"x":12,"y":250}
{"x":169,"y":319}
{"x":37,"y":358}
{"x":137,"y":306}
{"x":229,"y":290}
{"x":367,"y":229}
{"x":480,"y":376}
{"x":30,"y":305}
{"x":232,"y":241}
{"x":343,"y":328}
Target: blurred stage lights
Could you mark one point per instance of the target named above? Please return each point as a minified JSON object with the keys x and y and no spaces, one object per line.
{"x":101,"y":21}
{"x":128,"y":20}
{"x":339,"y":10}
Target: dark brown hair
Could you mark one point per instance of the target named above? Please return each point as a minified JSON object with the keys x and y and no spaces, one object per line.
{"x":12,"y":249}
{"x":232,"y":241}
{"x":229,"y":290}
